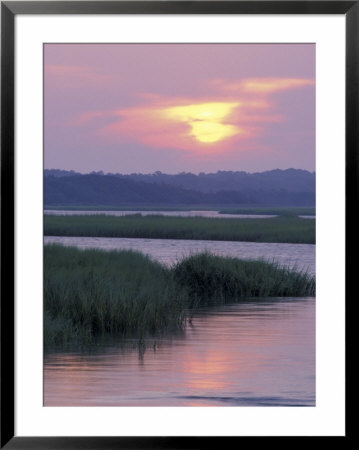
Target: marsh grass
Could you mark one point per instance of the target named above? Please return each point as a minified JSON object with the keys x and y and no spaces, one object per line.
{"x":288,"y":228}
{"x":208,"y":278}
{"x":91,"y":294}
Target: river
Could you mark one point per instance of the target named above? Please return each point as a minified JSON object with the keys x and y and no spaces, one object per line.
{"x":192,"y":213}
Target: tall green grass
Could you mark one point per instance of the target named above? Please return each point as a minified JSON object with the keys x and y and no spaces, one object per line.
{"x":209,"y":278}
{"x":90,"y":294}
{"x":280,"y":229}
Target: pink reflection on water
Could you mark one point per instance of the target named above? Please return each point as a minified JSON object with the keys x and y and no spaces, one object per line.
{"x":253,"y":353}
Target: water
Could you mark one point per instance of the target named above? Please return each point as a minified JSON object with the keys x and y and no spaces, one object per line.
{"x":211,"y":214}
{"x":168,"y":251}
{"x":256,"y":353}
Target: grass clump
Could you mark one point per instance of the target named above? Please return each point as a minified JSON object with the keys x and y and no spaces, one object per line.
{"x":93,"y":293}
{"x":89,"y":294}
{"x":209,"y":278}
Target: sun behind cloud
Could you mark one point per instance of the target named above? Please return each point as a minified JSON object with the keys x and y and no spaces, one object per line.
{"x":196,"y":126}
{"x":231,"y":117}
{"x":205,"y":120}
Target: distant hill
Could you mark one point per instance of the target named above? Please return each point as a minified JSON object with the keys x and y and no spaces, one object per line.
{"x":290,"y":187}
{"x":293,"y":180}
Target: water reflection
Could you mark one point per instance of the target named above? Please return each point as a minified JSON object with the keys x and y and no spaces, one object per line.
{"x":256,"y":353}
{"x":211,"y":214}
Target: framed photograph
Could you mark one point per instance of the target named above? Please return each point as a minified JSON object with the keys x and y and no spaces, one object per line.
{"x":176,"y":185}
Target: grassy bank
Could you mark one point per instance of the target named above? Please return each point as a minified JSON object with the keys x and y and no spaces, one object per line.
{"x":289,"y":229}
{"x":92,"y":293}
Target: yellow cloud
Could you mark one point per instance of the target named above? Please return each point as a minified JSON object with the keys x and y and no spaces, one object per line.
{"x":269,"y":85}
{"x":261,"y":86}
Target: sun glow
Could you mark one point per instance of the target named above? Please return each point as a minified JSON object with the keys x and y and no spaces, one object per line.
{"x":231,"y":119}
{"x":205,"y":120}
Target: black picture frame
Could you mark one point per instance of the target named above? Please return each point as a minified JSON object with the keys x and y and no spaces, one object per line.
{"x":9,"y":9}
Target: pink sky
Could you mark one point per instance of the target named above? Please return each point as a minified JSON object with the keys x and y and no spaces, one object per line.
{"x":179,"y":107}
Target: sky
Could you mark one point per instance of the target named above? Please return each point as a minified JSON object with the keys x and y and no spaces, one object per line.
{"x":142,"y":108}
